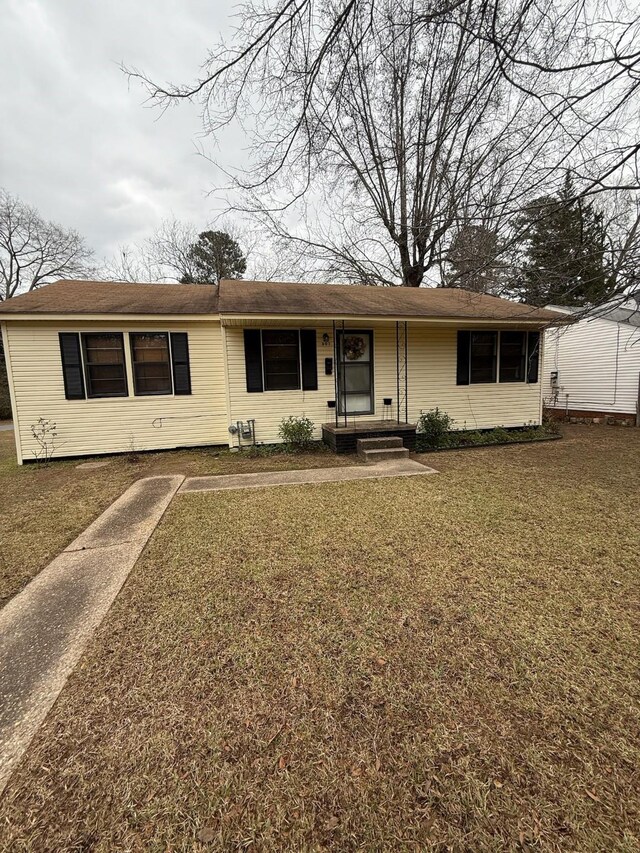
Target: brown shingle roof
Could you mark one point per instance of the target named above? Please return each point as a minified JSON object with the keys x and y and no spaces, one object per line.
{"x":109,"y":297}
{"x":260,"y":297}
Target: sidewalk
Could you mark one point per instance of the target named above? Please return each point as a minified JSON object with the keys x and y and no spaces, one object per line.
{"x":400,"y":468}
{"x":45,"y":628}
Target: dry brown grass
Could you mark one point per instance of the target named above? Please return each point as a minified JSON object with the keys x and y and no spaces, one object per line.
{"x":43,"y":508}
{"x":438,"y":663}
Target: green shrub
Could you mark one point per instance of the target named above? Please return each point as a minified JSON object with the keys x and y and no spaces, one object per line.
{"x":476,"y":438}
{"x":433,"y":427}
{"x":296,"y":433}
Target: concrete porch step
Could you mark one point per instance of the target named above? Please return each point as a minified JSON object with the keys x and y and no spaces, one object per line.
{"x":383,"y":453}
{"x":379,"y":443}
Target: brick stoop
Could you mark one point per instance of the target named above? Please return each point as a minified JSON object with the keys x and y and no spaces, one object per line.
{"x":373,"y":450}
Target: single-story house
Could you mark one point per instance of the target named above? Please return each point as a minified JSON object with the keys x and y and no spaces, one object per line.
{"x":120,"y":367}
{"x":592,"y":367}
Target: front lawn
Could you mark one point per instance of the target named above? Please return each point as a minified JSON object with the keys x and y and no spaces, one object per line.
{"x":437,"y":663}
{"x":43,"y":508}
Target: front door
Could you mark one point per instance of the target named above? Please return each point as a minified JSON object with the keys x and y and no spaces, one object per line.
{"x":355,"y":372}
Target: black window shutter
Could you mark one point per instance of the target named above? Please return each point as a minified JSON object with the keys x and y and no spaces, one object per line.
{"x":309,"y":359}
{"x":71,"y":365}
{"x":180,"y":359}
{"x":533,"y":357}
{"x":253,"y":359}
{"x":464,"y":342}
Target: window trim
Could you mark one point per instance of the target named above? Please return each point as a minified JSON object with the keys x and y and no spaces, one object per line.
{"x":340,"y":333}
{"x":264,"y":363}
{"x":86,"y":365}
{"x":137,"y":393}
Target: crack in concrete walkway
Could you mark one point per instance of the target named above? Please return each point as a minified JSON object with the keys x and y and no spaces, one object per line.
{"x":390,"y":468}
{"x":46,"y":627}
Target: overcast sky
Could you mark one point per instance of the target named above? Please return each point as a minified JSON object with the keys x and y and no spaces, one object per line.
{"x":75,"y":138}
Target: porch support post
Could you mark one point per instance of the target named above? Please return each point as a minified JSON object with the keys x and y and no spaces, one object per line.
{"x":397,"y":371}
{"x":335,"y":372}
{"x":402,"y":370}
{"x":406,"y":372}
{"x":343,"y":376}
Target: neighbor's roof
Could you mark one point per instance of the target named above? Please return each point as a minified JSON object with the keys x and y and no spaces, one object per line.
{"x":247,"y":298}
{"x":616,"y":313}
{"x":263,"y":297}
{"x":112,"y":297}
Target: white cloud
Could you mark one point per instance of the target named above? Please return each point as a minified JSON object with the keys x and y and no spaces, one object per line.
{"x":77,"y":141}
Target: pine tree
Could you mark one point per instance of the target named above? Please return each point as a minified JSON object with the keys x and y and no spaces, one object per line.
{"x":562,"y":252}
{"x":215,"y":256}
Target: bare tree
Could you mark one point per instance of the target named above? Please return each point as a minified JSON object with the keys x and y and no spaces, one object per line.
{"x":374,"y":123}
{"x":131,"y":264}
{"x":34,"y":251}
{"x":170,"y":249}
{"x":168,"y":255}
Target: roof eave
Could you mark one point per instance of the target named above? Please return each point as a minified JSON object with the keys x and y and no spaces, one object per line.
{"x":233,"y":319}
{"x":105,"y":317}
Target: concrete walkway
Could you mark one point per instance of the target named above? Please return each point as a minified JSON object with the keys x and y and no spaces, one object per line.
{"x":6,"y":425}
{"x":44,"y":629}
{"x":399,"y":468}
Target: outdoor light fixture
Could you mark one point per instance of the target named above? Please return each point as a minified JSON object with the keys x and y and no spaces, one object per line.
{"x":325,"y":340}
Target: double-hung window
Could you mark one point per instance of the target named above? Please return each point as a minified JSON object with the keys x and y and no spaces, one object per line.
{"x":104,"y":364}
{"x":281,"y":359}
{"x":513,"y":356}
{"x":484,"y":353}
{"x":151,"y":363}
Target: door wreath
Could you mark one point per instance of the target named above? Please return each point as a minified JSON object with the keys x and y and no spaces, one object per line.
{"x":354,"y":347}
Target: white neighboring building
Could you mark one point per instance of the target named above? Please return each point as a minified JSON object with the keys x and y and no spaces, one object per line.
{"x":593,"y":367}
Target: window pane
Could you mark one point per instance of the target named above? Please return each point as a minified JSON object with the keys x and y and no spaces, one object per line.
{"x":151,"y":369}
{"x":355,"y":347}
{"x":104,"y":349}
{"x":356,"y":404}
{"x":533,"y":357}
{"x":104,"y":365}
{"x":483,"y":356}
{"x":512,"y":356}
{"x":281,"y":356}
{"x":282,"y":382}
{"x":357,"y":378}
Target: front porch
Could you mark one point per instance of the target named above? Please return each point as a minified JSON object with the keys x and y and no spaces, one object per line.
{"x":343,"y":438}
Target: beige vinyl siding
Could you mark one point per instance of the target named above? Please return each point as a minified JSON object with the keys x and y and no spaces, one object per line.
{"x":432,"y":382}
{"x":112,"y":425}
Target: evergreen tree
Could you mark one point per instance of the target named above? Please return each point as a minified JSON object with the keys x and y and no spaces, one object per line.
{"x":562,"y":252}
{"x":216,"y":255}
{"x":473,"y":260}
